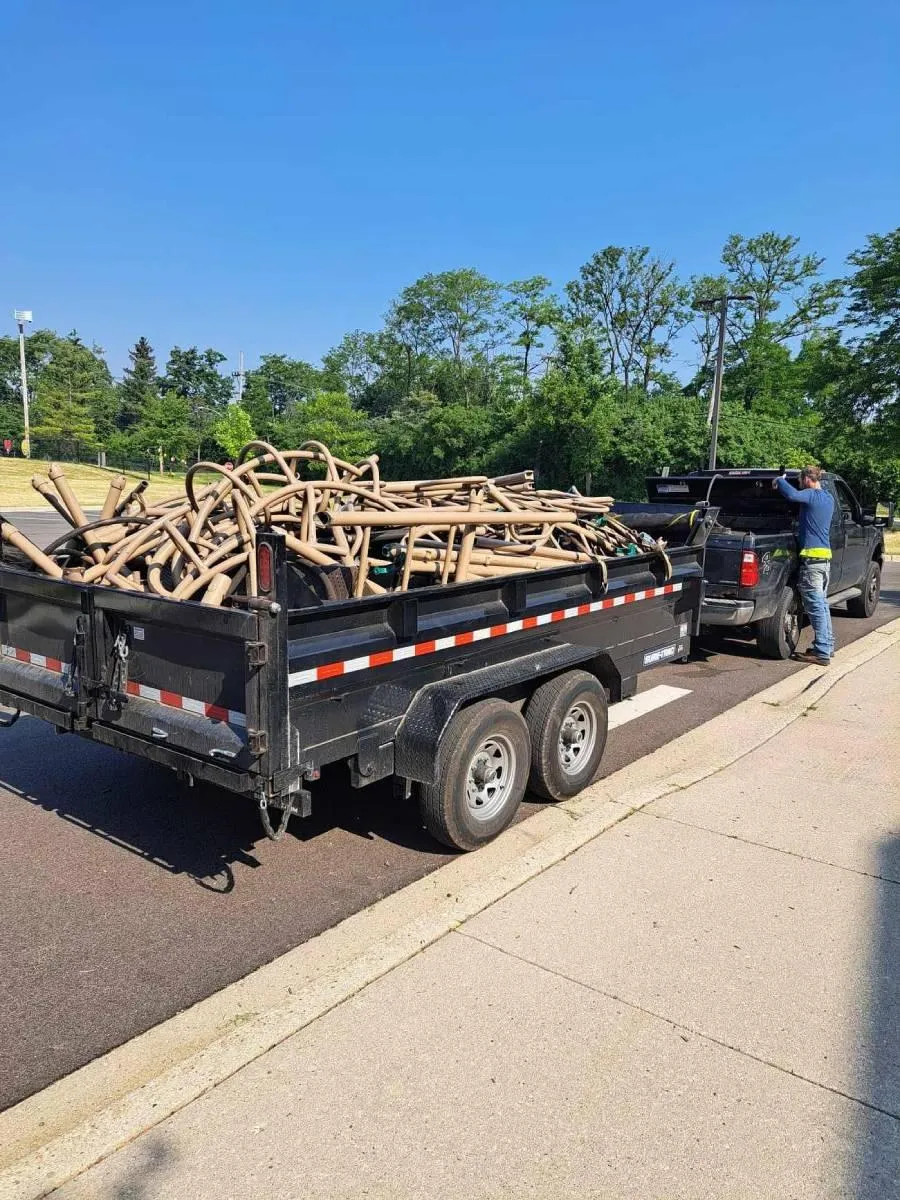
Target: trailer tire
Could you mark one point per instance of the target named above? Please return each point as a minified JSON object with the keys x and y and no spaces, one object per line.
{"x":568,"y":719}
{"x":778,"y":636}
{"x":865,"y":605}
{"x":482,"y":763}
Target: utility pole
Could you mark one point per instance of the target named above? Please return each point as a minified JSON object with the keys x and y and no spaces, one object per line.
{"x":23,"y":317}
{"x":240,"y":376}
{"x":712,"y":418}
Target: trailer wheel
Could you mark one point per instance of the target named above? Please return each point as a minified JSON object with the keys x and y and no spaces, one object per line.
{"x":482,"y":773}
{"x":865,"y":605}
{"x":779,"y":635}
{"x":568,"y":720}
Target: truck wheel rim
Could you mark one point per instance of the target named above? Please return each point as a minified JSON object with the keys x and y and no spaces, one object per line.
{"x":490,"y":776}
{"x":792,"y":626}
{"x":577,"y":738}
{"x":873,"y":587}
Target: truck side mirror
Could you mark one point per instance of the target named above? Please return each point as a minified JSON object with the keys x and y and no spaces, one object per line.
{"x":878,"y":515}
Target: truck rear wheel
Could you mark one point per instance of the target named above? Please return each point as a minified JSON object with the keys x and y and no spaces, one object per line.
{"x":568,"y":720}
{"x":778,"y":636}
{"x":865,"y":605}
{"x":482,"y":774}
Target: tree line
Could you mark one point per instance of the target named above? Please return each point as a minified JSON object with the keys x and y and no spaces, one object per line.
{"x":469,"y":375}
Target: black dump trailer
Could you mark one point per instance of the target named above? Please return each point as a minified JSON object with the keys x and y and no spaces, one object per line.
{"x":467,"y":693}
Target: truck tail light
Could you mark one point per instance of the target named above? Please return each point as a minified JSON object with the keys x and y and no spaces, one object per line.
{"x":749,"y":576}
{"x":264,"y":568}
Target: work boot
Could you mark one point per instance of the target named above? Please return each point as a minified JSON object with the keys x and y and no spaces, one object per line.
{"x":813,"y":656}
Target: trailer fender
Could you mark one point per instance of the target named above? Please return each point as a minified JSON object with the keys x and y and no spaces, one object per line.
{"x":420,"y":732}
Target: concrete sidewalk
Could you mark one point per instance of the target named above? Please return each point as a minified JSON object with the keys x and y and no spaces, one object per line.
{"x":702,"y":1002}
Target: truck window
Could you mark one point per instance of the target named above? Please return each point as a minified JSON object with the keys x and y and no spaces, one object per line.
{"x":845,"y":500}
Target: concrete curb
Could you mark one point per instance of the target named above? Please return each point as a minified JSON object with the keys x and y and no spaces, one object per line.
{"x":76,"y":1122}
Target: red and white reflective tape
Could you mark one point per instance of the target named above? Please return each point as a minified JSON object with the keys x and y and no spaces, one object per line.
{"x":34,"y":660}
{"x":382,"y":657}
{"x":140,"y":690}
{"x":172,"y":700}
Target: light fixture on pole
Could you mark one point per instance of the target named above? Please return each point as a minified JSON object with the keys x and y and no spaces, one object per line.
{"x":720,"y":302}
{"x":23,"y":317}
{"x":240,"y":375}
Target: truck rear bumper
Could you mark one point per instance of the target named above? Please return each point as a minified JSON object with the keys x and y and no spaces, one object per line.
{"x":726,"y":612}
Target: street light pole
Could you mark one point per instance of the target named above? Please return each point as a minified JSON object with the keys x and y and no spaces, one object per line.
{"x":23,"y":317}
{"x":713,"y":418}
{"x":715,"y":399}
{"x":240,"y":376}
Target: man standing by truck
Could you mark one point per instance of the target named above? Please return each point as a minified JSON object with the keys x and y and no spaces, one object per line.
{"x":814,"y":538}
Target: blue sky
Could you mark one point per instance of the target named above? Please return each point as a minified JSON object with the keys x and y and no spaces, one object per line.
{"x":265,"y":177}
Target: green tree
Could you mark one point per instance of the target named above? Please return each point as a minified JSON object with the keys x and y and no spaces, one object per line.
{"x":165,"y":430}
{"x":766,"y":377}
{"x":788,"y":295}
{"x":195,"y":376}
{"x":873,"y":316}
{"x":564,"y":428}
{"x":139,"y":385}
{"x":854,"y":385}
{"x":62,"y":422}
{"x":73,"y":396}
{"x":233,"y":430}
{"x":455,"y":314}
{"x":353,"y":365}
{"x":328,"y":417}
{"x":635,"y":306}
{"x":274,"y":387}
{"x":427,"y":438}
{"x":530,"y":311}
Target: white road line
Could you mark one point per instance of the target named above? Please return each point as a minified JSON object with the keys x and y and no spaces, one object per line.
{"x":637,"y":706}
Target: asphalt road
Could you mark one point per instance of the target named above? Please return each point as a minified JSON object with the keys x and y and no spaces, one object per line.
{"x":125,"y":897}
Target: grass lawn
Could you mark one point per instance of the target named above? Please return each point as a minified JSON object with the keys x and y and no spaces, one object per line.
{"x":90,"y":484}
{"x":892,"y":541}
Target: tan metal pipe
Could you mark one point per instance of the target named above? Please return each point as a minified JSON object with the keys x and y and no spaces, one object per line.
{"x":13,"y":537}
{"x":438,"y":517}
{"x":113,"y":496}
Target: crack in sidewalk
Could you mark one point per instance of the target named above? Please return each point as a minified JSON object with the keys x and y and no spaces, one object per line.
{"x":699,"y":1033}
{"x":735,"y":837}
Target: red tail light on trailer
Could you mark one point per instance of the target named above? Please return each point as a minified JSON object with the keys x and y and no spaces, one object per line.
{"x":749,"y":576}
{"x":264,"y":568}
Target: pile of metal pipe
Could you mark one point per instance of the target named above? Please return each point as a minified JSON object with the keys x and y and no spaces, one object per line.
{"x":344,"y":526}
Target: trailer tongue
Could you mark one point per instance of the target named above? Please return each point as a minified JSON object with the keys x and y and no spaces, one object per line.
{"x":467,"y":693}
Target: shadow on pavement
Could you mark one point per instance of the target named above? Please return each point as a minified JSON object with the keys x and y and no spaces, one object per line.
{"x":202,"y":832}
{"x":875,"y":1171}
{"x":139,"y":1182}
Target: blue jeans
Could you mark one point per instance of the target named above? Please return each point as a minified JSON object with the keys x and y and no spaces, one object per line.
{"x":814,"y":576}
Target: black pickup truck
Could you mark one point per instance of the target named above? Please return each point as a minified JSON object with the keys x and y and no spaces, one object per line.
{"x":751,"y":559}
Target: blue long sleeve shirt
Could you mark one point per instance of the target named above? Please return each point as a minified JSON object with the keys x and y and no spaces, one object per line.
{"x":816,"y":507}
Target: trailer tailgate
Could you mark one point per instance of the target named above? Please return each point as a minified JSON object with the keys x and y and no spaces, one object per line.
{"x":41,"y":625}
{"x":176,"y":673}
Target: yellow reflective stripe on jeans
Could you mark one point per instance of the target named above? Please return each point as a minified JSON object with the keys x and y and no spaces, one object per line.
{"x":815,"y":552}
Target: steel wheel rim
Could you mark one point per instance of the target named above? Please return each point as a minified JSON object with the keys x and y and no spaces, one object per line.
{"x":490,"y":777}
{"x":792,"y":626}
{"x":577,"y":738}
{"x":873,"y":587}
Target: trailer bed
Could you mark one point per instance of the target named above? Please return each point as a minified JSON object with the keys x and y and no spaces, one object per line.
{"x":258,"y":699}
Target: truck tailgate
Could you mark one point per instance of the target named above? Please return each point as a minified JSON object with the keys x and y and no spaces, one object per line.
{"x":722,"y":564}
